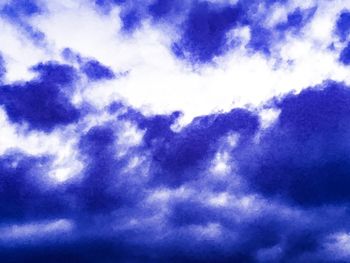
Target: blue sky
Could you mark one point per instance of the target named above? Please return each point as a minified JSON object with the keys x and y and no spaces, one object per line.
{"x":174,"y":131}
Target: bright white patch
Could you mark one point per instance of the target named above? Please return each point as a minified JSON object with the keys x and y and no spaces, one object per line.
{"x":66,"y":164}
{"x":219,"y":200}
{"x":248,"y":203}
{"x":19,"y":53}
{"x":134,"y":163}
{"x":79,"y":27}
{"x":220,"y":164}
{"x":232,"y":140}
{"x":165,"y":194}
{"x":128,"y":136}
{"x":240,"y":34}
{"x":100,"y":94}
{"x":34,"y":231}
{"x":339,"y":245}
{"x":278,"y":15}
{"x":60,"y":144}
{"x":98,"y":118}
{"x":268,"y":117}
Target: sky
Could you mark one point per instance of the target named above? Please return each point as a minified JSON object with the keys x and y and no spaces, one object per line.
{"x":175,"y":131}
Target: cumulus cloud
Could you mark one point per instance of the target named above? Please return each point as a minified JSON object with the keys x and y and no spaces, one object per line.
{"x":41,"y":103}
{"x":174,"y":131}
{"x":304,"y":154}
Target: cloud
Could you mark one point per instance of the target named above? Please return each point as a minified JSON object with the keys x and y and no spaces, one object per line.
{"x":181,"y":153}
{"x":116,"y":211}
{"x":345,"y":55}
{"x":205,"y":30}
{"x":96,"y":71}
{"x":42,"y":103}
{"x":2,"y":68}
{"x":303,"y":156}
{"x":17,"y":8}
{"x":37,"y":230}
{"x":174,"y":131}
{"x":98,"y":190}
{"x":342,"y":25}
{"x":25,"y":192}
{"x":158,"y":82}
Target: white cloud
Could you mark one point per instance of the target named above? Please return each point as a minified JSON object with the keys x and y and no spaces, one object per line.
{"x":219,"y":200}
{"x":19,"y":52}
{"x":35,"y":231}
{"x":159,"y":83}
{"x":338,"y":245}
{"x":211,"y":231}
{"x":221,"y":164}
{"x":61,"y":144}
{"x":268,"y":117}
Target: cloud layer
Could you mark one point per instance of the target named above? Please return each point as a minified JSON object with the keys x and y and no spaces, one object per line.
{"x":174,"y":131}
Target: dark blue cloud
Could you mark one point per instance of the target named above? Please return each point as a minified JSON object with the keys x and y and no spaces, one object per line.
{"x":92,"y":68}
{"x":205,"y":28}
{"x":344,"y":56}
{"x":343,"y":25}
{"x":342,"y":29}
{"x":134,"y":12}
{"x":2,"y":68}
{"x":108,"y":3}
{"x":25,"y":191}
{"x":71,"y":56}
{"x":267,"y":230}
{"x":205,"y":24}
{"x":103,"y":186}
{"x":180,"y":154}
{"x":261,"y":39}
{"x":20,"y":8}
{"x":104,"y":197}
{"x":17,"y":12}
{"x":131,"y":20}
{"x":43,"y":103}
{"x":162,"y":8}
{"x":304,"y":157}
{"x":96,"y":191}
{"x":96,"y":71}
{"x":296,"y":19}
{"x":277,"y":230}
{"x":204,"y":31}
{"x":202,"y":25}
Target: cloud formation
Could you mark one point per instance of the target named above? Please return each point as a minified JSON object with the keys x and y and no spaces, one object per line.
{"x":174,"y":131}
